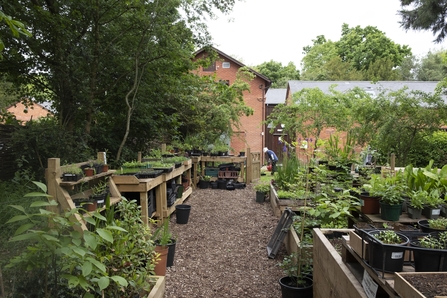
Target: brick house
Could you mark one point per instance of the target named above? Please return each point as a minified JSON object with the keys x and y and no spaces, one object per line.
{"x":252,"y":131}
{"x":277,"y":96}
{"x":24,"y":114}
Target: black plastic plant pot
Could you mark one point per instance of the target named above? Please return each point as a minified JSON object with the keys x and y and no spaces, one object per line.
{"x":290,"y":290}
{"x":425,"y":227}
{"x":429,"y":260}
{"x":171,"y":253}
{"x":386,"y":257}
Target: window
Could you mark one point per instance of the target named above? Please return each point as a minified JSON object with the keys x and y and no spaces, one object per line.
{"x":225,"y":64}
{"x":212,"y":67}
{"x":225,"y":82}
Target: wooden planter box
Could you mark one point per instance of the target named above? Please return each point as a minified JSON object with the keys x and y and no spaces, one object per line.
{"x":292,"y":242}
{"x":331,"y":274}
{"x":405,"y":289}
{"x":158,"y":291}
{"x":279,"y":206}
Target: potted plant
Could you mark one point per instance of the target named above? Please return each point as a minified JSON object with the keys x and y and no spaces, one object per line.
{"x":386,"y":249}
{"x":89,"y":169}
{"x":99,"y":193}
{"x":163,"y":238}
{"x":262,"y":190}
{"x":433,"y":225}
{"x":298,"y":265}
{"x":416,"y":203}
{"x":432,"y":250}
{"x":204,"y":182}
{"x":298,"y":269}
{"x":72,"y":173}
{"x":391,"y":202}
{"x":370,"y":198}
{"x":433,"y":202}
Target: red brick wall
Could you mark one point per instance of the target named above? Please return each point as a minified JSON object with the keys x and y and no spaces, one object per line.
{"x":250,"y":132}
{"x":33,"y":112}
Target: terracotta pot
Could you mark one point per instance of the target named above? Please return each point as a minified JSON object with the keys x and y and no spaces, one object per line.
{"x":370,"y":205}
{"x":160,"y":266}
{"x":88,"y":172}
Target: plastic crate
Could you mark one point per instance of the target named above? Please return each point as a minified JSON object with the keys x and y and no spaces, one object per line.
{"x":228,"y":174}
{"x":213,"y":172}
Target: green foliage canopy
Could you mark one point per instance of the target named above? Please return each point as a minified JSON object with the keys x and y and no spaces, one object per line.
{"x":277,"y":73}
{"x":360,"y":54}
{"x":425,"y":15}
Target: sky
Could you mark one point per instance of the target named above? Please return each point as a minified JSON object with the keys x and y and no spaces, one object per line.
{"x":257,"y":31}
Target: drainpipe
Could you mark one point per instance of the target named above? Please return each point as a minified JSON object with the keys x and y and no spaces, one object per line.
{"x":263,"y":132}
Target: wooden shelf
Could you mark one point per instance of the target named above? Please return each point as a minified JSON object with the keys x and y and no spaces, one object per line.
{"x":358,"y":266}
{"x":130,"y":183}
{"x":71,"y":184}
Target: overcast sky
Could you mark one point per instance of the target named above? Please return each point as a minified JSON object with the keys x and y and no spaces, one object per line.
{"x":258,"y":31}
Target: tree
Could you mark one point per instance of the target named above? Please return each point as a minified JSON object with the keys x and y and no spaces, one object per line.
{"x":407,"y":68}
{"x":16,"y":28}
{"x":364,"y":46}
{"x":382,"y":69}
{"x":87,"y":57}
{"x":277,"y":73}
{"x":425,"y":15}
{"x":360,"y":54}
{"x":394,"y":121}
{"x":432,"y":67}
{"x":311,"y":111}
{"x":317,"y":56}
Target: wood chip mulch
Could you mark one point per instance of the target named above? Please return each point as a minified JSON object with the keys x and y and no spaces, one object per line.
{"x":222,"y":250}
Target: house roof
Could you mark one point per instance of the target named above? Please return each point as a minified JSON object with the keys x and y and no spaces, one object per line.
{"x":268,"y":81}
{"x":275,"y":96}
{"x":342,"y":86}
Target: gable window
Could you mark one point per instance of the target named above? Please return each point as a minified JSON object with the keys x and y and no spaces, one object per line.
{"x":225,"y":64}
{"x":212,"y":67}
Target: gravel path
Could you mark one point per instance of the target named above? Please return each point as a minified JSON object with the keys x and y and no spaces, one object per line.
{"x":222,"y":250}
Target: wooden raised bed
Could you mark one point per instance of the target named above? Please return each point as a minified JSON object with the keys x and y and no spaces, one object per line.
{"x":405,"y":289}
{"x":332,"y":278}
{"x":279,"y":206}
{"x":158,"y":291}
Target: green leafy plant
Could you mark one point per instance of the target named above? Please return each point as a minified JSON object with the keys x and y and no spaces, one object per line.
{"x":392,"y":195}
{"x":431,"y":241}
{"x":434,"y":200}
{"x":205,"y":178}
{"x":162,"y":235}
{"x":388,"y":237}
{"x":439,"y":223}
{"x":289,"y":173}
{"x":334,"y":209}
{"x":91,"y":262}
{"x":262,"y":187}
{"x":73,"y":169}
{"x":418,"y":199}
{"x":298,"y":265}
{"x":375,"y":186}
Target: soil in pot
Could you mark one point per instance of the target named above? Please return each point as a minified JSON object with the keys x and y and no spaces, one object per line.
{"x":430,"y":286}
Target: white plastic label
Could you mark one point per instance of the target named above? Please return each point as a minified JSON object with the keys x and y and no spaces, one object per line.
{"x":397,"y":255}
{"x":435,"y":211}
{"x":369,"y":285}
